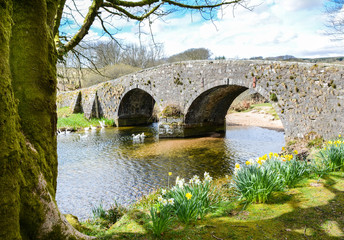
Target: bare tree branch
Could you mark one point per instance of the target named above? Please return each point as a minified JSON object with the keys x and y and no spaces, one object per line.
{"x":335,"y":19}
{"x":132,"y":16}
{"x":89,"y":19}
{"x":134,"y":10}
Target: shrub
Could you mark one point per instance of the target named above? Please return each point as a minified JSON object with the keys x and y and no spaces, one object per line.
{"x":109,"y":216}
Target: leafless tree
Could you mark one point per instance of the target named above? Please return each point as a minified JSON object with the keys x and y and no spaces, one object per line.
{"x":335,"y":18}
{"x":191,"y":54}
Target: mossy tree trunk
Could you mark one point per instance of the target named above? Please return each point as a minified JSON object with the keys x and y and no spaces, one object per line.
{"x":28,"y":159}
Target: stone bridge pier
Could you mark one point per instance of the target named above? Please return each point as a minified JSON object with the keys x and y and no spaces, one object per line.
{"x":192,"y":98}
{"x":206,"y":114}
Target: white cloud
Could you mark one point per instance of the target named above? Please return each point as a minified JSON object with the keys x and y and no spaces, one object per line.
{"x":274,"y":27}
{"x":296,"y":5}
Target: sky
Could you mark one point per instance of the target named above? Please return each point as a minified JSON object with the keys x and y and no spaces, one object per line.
{"x":272,"y":28}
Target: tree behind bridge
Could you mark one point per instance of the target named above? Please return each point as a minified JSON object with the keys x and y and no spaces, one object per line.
{"x":30,"y":44}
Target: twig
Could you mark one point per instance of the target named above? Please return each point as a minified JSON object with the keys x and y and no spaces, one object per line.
{"x":217,"y":238}
{"x":304,"y":233}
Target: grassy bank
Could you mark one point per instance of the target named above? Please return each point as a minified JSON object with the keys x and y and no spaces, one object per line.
{"x":265,"y":108}
{"x":312,"y":209}
{"x":65,"y":119}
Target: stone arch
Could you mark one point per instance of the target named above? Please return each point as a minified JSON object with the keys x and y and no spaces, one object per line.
{"x":207,"y":111}
{"x":135,"y":108}
{"x":212,"y":105}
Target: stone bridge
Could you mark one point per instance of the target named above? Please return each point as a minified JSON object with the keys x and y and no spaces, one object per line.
{"x":192,"y":98}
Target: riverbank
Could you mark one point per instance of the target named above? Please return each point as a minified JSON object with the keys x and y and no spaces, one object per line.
{"x":311,"y":210}
{"x":76,"y":121}
{"x":259,"y":115}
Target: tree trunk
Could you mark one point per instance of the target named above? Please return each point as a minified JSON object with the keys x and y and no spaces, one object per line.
{"x":28,"y":159}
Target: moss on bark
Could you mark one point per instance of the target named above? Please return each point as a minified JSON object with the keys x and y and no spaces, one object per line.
{"x":28,"y":159}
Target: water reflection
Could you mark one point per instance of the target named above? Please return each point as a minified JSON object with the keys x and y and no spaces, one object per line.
{"x":106,"y":165}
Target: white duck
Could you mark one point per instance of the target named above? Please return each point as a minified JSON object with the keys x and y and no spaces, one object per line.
{"x":136,"y":138}
{"x":102,"y":123}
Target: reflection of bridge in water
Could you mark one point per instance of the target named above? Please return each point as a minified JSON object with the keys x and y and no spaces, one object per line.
{"x":193,"y":97}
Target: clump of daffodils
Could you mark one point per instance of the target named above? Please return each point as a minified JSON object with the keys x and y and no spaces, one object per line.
{"x":258,"y":162}
{"x":257,"y":178}
{"x":331,"y":157}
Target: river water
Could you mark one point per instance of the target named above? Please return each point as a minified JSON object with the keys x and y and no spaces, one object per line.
{"x":104,"y":166}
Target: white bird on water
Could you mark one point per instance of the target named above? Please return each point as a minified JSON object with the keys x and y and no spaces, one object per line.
{"x":102,"y":123}
{"x":138,"y":137}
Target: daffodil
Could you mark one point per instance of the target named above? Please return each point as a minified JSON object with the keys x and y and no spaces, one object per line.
{"x":160,"y":199}
{"x":180,"y":182}
{"x":169,"y":173}
{"x":164,"y":202}
{"x":163,"y":191}
{"x":295,"y":152}
{"x":188,"y":196}
{"x":237,"y":166}
{"x":208,"y":179}
{"x":247,"y":163}
{"x":171,"y":201}
{"x":283,"y":148}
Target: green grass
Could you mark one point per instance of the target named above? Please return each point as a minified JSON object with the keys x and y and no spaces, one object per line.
{"x":312,"y":210}
{"x":260,"y":107}
{"x":77,"y":120}
{"x":63,"y":112}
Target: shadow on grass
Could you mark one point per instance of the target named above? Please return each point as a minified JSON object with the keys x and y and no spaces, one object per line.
{"x":302,"y":220}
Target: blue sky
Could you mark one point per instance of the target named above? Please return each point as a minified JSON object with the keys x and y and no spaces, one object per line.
{"x":273,"y":28}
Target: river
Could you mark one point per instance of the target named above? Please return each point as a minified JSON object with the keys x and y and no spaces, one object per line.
{"x":105,"y":165}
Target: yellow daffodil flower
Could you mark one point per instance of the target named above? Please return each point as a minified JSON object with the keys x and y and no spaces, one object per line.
{"x":188,"y":196}
{"x":169,"y":173}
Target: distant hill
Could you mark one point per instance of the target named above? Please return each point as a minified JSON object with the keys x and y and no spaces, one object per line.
{"x":339,"y":60}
